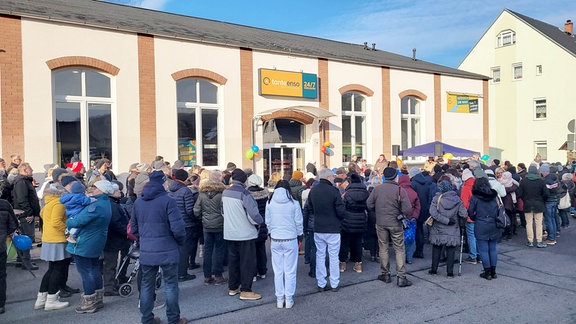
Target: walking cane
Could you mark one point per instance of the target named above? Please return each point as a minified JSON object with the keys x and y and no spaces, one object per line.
{"x":461,"y":248}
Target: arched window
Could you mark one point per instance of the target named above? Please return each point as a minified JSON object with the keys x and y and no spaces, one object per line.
{"x":353,"y":125}
{"x":506,"y":37}
{"x":83,"y":110}
{"x":410,"y":123}
{"x":197,"y":121}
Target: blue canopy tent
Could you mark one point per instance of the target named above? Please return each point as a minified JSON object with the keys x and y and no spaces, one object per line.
{"x":428,"y":149}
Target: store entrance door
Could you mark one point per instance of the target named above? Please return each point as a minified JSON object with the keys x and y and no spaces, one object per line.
{"x":283,"y":159}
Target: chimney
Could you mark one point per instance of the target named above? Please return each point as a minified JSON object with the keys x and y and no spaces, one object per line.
{"x":569,"y":27}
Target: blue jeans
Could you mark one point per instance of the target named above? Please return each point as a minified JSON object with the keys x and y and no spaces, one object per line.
{"x":310,"y":248}
{"x":410,"y":248}
{"x":471,"y":240}
{"x":564,"y":217}
{"x":550,"y":219}
{"x":214,"y":252}
{"x":147,"y":292}
{"x":488,"y":252}
{"x":90,"y":272}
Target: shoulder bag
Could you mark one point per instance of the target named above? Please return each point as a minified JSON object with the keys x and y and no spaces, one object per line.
{"x":502,"y":219}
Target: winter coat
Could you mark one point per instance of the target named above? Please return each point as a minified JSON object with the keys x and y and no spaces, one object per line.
{"x":533,"y":192}
{"x":551,"y":181}
{"x":404,"y":182}
{"x":92,"y":223}
{"x":74,"y":203}
{"x":8,"y":223}
{"x":327,"y":206}
{"x":208,"y":207}
{"x":389,"y":201}
{"x":240,"y":213}
{"x":130,"y":183}
{"x":446,"y":207}
{"x":426,"y":189}
{"x":24,"y":196}
{"x":355,"y":217}
{"x":261,"y":197}
{"x":53,"y":216}
{"x":117,"y":238}
{"x":566,"y":186}
{"x":159,"y":224}
{"x":185,"y":200}
{"x":483,"y":210}
{"x":507,"y":200}
{"x":308,"y":217}
{"x":283,"y":216}
{"x":296,"y":188}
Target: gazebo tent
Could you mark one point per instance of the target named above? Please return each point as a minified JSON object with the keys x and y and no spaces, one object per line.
{"x":428,"y":150}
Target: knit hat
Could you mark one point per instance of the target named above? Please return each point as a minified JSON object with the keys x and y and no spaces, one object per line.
{"x":413,"y":172}
{"x":180,"y":174}
{"x":119,"y":184}
{"x":545,"y":168}
{"x":532,"y":169}
{"x":157,"y":176}
{"x":355,"y":178}
{"x":105,"y":186}
{"x":56,"y":173}
{"x":567,"y":176}
{"x":178,"y":164}
{"x":230,"y":166}
{"x":467,"y":174}
{"x":390,"y":173}
{"x":297,"y":175}
{"x":77,"y":187}
{"x":254,"y":180}
{"x":553,"y":169}
{"x":66,"y":180}
{"x":157,"y":165}
{"x":437,"y":168}
{"x":444,"y":186}
{"x":239,"y":175}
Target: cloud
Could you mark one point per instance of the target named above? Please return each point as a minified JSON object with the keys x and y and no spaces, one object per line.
{"x":153,"y":4}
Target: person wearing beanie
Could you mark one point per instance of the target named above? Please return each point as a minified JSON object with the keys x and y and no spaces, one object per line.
{"x":158,"y":222}
{"x":296,"y":186}
{"x":551,"y":212}
{"x":241,"y":216}
{"x":413,"y":171}
{"x":230,"y":166}
{"x":185,"y":200}
{"x":533,"y":192}
{"x":448,"y":212}
{"x":57,"y":174}
{"x":67,"y":179}
{"x":390,"y":202}
{"x":495,"y":184}
{"x":253,"y":185}
{"x":566,"y":194}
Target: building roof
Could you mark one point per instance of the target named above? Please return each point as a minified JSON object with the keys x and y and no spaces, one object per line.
{"x":555,"y":34}
{"x":161,"y":24}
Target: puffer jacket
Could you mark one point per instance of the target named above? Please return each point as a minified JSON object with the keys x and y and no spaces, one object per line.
{"x":483,"y":210}
{"x":53,"y":215}
{"x":8,"y":223}
{"x":92,"y":223}
{"x":533,"y":192}
{"x":185,"y":200}
{"x":261,"y":196}
{"x":327,"y":206}
{"x":389,"y":201}
{"x":308,"y":216}
{"x":404,"y":182}
{"x":283,"y":216}
{"x":426,"y":189}
{"x":240,"y":212}
{"x":208,"y":206}
{"x":355,"y":217}
{"x":117,"y":238}
{"x":24,"y":196}
{"x":551,"y":181}
{"x":296,"y":188}
{"x":444,"y":208}
{"x":158,"y":223}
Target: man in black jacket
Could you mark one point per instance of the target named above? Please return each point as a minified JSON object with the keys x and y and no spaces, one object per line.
{"x":329,"y":210}
{"x":8,"y":224}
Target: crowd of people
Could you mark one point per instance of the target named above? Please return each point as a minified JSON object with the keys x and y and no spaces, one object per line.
{"x":177,"y":214}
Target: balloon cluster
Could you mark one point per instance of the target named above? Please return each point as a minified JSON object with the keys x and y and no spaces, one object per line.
{"x":447,"y":157}
{"x":326,"y":148}
{"x":252,"y":152}
{"x":484,"y":158}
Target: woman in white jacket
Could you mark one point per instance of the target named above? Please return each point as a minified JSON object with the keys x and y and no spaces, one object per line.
{"x":284,"y":221}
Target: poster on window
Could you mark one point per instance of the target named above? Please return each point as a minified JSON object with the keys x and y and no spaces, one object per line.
{"x":462,"y":103}
{"x":187,"y":152}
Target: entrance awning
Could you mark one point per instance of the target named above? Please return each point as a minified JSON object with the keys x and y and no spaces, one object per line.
{"x":308,"y":112}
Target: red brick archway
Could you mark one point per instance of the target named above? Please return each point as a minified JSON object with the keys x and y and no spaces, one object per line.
{"x":199,"y":73}
{"x":82,"y":61}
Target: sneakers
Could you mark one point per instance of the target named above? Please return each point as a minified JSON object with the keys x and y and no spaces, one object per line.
{"x":432,"y":272}
{"x":219,"y":280}
{"x":249,"y":295}
{"x":259,"y":276}
{"x":550,"y":242}
{"x":289,"y":303}
{"x":470,"y":260}
{"x":157,"y":305}
{"x":336,"y":289}
{"x":321,"y":289}
{"x":342,"y":266}
{"x":358,"y":267}
{"x":233,"y":292}
{"x":186,"y":277}
{"x":530,"y":244}
{"x":541,"y":245}
{"x":209,"y":281}
{"x":280,"y":303}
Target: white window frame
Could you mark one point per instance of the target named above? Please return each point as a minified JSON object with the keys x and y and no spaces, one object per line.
{"x":409,"y":118}
{"x":537,"y":102}
{"x":541,"y":145}
{"x":514,"y":67}
{"x":506,"y":38}
{"x":494,"y":79}
{"x":353,"y":114}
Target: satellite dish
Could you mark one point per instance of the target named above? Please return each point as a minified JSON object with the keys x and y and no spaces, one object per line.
{"x":571,"y":125}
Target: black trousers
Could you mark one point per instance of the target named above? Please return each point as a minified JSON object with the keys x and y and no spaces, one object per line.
{"x":419,"y":237}
{"x":109,"y":266}
{"x":261,"y":258}
{"x":241,"y":264}
{"x":350,"y":242}
{"x":66,"y":270}
{"x":3,"y":258}
{"x":53,"y":279}
{"x":188,"y":250}
{"x":437,"y":251}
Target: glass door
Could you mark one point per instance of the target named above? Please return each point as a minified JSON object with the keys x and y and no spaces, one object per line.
{"x":283,"y":160}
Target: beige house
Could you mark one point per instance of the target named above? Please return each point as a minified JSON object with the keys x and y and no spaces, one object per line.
{"x":530,"y":63}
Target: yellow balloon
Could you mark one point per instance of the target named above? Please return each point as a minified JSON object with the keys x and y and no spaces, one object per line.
{"x":448,"y":156}
{"x":249,"y":154}
{"x":327,"y":143}
{"x":398,"y":161}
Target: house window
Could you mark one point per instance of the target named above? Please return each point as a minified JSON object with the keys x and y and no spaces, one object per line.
{"x":82,"y":100}
{"x":353,"y":124}
{"x":538,"y":69}
{"x":517,"y":71}
{"x":507,"y":37}
{"x":540,"y":108}
{"x":541,"y":147}
{"x":496,"y":74}
{"x":410,"y":123}
{"x":197,"y":106}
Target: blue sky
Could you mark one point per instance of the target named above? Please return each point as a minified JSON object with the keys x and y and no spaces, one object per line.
{"x":442,"y":31}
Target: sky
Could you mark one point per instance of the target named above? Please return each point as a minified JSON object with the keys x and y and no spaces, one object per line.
{"x":442,"y":31}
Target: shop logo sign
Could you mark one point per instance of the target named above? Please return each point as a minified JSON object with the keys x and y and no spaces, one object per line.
{"x":288,"y":84}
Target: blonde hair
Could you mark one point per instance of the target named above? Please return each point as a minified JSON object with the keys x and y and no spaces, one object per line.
{"x":205,"y":174}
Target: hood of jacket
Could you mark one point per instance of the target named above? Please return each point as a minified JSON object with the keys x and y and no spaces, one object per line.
{"x":211,"y":188}
{"x":485,"y":193}
{"x":421,"y":179}
{"x":404,"y":182}
{"x":280,"y":196}
{"x":175,"y":186}
{"x":450,"y":200}
{"x":258,"y":192}
{"x":153,"y":190}
{"x":55,"y":190}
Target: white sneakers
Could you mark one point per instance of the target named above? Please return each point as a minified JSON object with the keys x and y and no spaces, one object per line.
{"x":280,"y":303}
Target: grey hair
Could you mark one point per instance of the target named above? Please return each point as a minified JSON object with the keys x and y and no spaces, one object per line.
{"x":324,"y":173}
{"x":474,"y":164}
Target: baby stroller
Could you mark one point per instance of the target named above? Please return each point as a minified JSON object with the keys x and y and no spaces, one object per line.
{"x":126,"y":288}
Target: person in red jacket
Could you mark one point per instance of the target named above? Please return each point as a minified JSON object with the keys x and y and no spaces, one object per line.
{"x":404,"y":182}
{"x":465,"y":195}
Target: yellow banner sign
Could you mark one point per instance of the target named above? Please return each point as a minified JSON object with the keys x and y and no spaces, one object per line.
{"x":290,"y":84}
{"x":462,"y":103}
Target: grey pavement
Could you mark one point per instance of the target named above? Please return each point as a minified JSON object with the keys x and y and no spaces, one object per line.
{"x":533,"y":286}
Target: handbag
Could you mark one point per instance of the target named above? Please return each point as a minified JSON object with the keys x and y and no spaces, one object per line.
{"x":565,"y":202}
{"x":502,"y":219}
{"x":430,"y":220}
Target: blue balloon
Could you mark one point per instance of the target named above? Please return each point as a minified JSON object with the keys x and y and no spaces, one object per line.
{"x":22,"y":242}
{"x":255,"y":148}
{"x":328,"y":150}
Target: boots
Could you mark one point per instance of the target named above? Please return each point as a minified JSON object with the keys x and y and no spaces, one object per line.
{"x":404,"y":282}
{"x":88,"y":304}
{"x":487,"y":274}
{"x":358,"y":267}
{"x":493,"y":272}
{"x":53,"y":302}
{"x":40,"y":300}
{"x":100,"y":298}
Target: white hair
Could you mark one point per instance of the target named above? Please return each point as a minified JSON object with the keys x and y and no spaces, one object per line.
{"x":324,"y":173}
